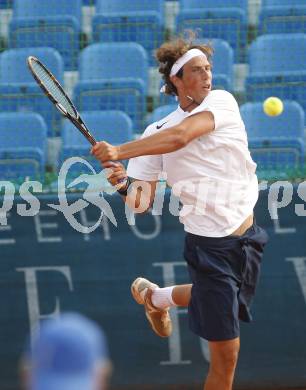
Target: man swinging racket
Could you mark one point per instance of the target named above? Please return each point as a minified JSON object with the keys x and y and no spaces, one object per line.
{"x":202,"y":147}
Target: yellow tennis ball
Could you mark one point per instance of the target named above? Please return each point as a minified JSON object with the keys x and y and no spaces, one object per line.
{"x":273,"y":106}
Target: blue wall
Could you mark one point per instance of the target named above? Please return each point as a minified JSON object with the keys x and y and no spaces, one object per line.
{"x":47,"y":266}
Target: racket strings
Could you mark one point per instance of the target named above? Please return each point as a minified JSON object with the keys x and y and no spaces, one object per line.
{"x":53,"y":88}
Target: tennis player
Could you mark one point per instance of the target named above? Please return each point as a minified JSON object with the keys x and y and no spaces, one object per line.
{"x":202,"y":148}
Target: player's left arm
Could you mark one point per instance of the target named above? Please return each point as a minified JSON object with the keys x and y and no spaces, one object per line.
{"x":165,"y":141}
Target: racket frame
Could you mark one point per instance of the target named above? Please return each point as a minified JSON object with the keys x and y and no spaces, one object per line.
{"x":78,"y":122}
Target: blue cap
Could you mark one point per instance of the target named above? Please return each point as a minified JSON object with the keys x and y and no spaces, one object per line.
{"x":66,"y":354}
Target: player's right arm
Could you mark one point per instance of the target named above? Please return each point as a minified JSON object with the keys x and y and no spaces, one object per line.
{"x":144,"y":174}
{"x":140,"y":193}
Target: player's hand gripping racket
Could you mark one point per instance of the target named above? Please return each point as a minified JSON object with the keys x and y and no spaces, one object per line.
{"x":57,"y":95}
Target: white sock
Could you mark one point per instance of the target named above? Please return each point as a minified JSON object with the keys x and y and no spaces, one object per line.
{"x":162,"y":297}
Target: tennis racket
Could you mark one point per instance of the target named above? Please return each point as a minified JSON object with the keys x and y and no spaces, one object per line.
{"x":54,"y":91}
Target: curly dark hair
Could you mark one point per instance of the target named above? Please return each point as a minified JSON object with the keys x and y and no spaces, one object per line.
{"x":170,"y":52}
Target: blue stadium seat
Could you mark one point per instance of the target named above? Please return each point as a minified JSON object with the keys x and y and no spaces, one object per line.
{"x":23,"y":142}
{"x":161,"y":112}
{"x":113,"y":76}
{"x":47,"y":23}
{"x":223,"y":65}
{"x":284,"y":16}
{"x":275,"y":142}
{"x":277,"y":67}
{"x":18,"y":89}
{"x":114,"y":60}
{"x":110,"y":126}
{"x":130,"y":21}
{"x":216,"y":19}
{"x":166,"y":100}
{"x":214,"y":4}
{"x":276,"y":3}
{"x":4,"y":4}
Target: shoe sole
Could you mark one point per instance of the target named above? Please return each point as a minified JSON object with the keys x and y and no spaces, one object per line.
{"x":135,"y":292}
{"x":136,"y":295}
{"x":135,"y":289}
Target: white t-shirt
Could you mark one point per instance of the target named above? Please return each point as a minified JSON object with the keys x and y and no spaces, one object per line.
{"x":214,"y":175}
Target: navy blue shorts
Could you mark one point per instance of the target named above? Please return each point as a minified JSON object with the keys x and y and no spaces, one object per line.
{"x":224,"y":272}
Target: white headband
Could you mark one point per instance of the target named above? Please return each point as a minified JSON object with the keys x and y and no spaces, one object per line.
{"x":185,"y":58}
{"x":182,"y":61}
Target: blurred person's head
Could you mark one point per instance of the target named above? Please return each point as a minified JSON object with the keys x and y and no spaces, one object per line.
{"x":69,"y":353}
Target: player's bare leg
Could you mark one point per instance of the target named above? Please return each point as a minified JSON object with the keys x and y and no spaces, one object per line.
{"x":181,"y":294}
{"x":223,"y":361}
{"x":224,"y":354}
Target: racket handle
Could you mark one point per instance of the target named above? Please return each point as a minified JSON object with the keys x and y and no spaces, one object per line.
{"x":124,"y":179}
